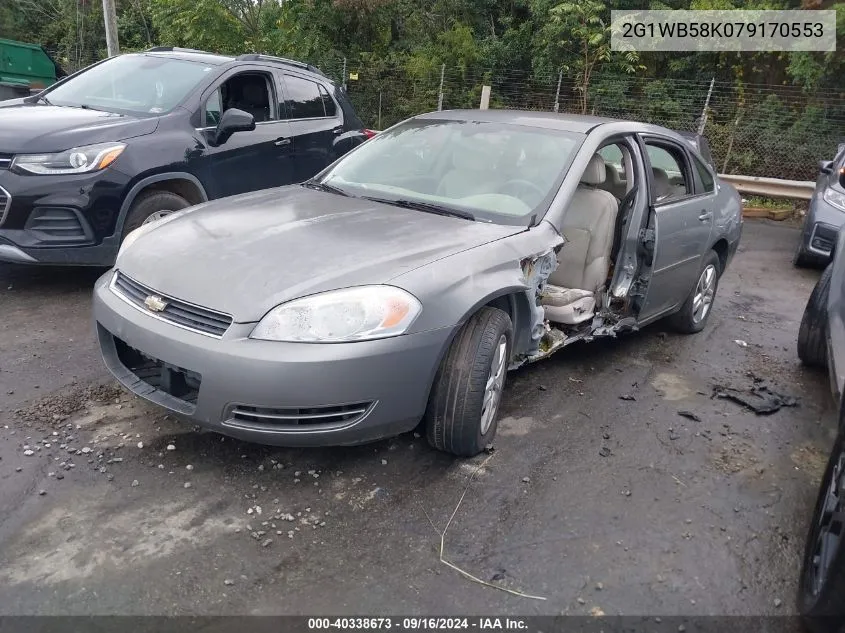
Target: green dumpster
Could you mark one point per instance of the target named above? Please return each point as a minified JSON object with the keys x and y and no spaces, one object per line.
{"x":25,"y":68}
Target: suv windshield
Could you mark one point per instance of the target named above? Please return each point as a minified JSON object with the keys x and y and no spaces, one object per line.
{"x":133,"y":84}
{"x":503,"y":173}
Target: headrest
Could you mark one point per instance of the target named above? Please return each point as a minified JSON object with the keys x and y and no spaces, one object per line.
{"x":661,"y":182}
{"x":253,"y":93}
{"x":595,"y":172}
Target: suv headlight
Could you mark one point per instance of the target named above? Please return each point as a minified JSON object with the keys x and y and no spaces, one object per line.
{"x":834,"y":197}
{"x":79,"y":160}
{"x":353,"y":314}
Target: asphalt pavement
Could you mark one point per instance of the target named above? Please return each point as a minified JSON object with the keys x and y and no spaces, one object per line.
{"x":601,"y":497}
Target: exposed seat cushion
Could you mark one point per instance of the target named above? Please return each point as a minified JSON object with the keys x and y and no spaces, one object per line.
{"x":568,"y":305}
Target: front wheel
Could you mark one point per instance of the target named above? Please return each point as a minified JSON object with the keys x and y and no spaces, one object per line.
{"x":812,"y":334}
{"x":692,"y":317}
{"x":822,"y":583}
{"x":461,"y":413}
{"x":151,"y":206}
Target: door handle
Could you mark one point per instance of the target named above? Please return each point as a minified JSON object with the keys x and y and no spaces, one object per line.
{"x":705,"y":215}
{"x":281,"y":141}
{"x":338,"y":130}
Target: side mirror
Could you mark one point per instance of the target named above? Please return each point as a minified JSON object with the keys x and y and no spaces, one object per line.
{"x":826,"y":166}
{"x":233,"y":120}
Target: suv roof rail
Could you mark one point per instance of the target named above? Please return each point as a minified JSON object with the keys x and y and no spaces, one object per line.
{"x":256,"y":57}
{"x":170,"y":49}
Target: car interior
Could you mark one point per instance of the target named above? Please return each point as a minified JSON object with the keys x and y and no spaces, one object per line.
{"x":592,"y":228}
{"x":249,"y":92}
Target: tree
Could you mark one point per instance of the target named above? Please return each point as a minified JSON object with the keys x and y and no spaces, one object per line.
{"x":583,"y":23}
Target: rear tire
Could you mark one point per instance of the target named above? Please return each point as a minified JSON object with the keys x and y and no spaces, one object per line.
{"x":820,"y":594}
{"x":812,"y":335}
{"x":470,"y":381}
{"x":689,"y":319}
{"x":148,"y":205}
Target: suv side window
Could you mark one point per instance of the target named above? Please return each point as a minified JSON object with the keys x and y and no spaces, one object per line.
{"x":705,"y":175}
{"x":303,"y":99}
{"x":671,"y":179}
{"x":247,"y":91}
{"x":328,"y":102}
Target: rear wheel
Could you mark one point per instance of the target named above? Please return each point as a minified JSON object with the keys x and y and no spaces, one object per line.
{"x":812,"y":335}
{"x":464,"y":402}
{"x":151,"y":206}
{"x":692,"y":317}
{"x":823,"y":575}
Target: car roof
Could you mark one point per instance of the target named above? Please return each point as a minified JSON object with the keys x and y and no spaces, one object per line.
{"x":189,"y":55}
{"x":214,"y":59}
{"x":549,"y":120}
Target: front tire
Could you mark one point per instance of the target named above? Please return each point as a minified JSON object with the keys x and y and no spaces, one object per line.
{"x":150,"y":206}
{"x":812,"y":335}
{"x":462,"y":408}
{"x":823,"y":574}
{"x":693,"y":315}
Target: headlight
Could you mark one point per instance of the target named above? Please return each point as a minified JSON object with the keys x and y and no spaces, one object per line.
{"x":834,"y":197}
{"x":353,"y":314}
{"x":79,"y":160}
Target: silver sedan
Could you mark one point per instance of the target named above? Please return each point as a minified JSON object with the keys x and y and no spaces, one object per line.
{"x":399,"y":286}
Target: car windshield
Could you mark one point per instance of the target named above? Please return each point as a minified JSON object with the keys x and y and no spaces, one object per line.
{"x":132,"y":84}
{"x":494,"y":172}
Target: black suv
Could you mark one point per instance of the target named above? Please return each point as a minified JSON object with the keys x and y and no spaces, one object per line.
{"x":137,"y":136}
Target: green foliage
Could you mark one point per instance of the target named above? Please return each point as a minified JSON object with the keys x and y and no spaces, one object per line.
{"x":519,"y":47}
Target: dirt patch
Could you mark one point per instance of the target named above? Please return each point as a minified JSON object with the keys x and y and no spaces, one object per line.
{"x":672,"y":386}
{"x":811,"y":460}
{"x":59,"y":406}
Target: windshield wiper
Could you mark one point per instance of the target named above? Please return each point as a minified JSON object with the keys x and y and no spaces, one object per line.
{"x":321,"y":186}
{"x":426,"y":207}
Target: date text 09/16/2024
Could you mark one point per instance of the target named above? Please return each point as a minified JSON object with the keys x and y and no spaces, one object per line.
{"x":418,"y":624}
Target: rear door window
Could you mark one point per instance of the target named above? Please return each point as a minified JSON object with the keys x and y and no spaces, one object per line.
{"x":303,"y":98}
{"x":704,"y":174}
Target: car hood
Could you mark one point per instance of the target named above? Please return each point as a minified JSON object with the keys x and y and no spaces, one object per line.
{"x":247,"y":254}
{"x":34,"y":129}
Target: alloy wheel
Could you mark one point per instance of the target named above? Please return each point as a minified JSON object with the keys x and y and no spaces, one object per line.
{"x":705,"y":292}
{"x":495,"y":382}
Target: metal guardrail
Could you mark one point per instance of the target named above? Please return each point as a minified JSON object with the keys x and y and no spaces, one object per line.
{"x":771,"y":187}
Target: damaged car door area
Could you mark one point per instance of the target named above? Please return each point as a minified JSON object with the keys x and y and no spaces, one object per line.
{"x":398,"y":287}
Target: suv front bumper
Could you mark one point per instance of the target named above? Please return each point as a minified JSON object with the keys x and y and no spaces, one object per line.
{"x":63,"y":219}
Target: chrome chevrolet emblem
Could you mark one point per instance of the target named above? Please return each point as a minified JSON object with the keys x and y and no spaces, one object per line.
{"x":155,"y":303}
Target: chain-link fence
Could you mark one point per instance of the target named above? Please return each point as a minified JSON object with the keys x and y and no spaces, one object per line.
{"x":753,"y":130}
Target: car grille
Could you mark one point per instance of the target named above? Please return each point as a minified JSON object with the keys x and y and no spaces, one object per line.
{"x":58,"y":224}
{"x":180,"y":313}
{"x":5,"y":161}
{"x":5,"y":203}
{"x":183,"y":384}
{"x":263,"y":418}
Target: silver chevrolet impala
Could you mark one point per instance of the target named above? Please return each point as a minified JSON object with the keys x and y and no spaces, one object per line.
{"x":399,"y":286}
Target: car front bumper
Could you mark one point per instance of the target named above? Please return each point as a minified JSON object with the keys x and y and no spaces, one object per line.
{"x":286,"y":394}
{"x":821,"y":228}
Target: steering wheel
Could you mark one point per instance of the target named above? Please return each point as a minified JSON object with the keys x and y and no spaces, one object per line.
{"x":517,"y":185}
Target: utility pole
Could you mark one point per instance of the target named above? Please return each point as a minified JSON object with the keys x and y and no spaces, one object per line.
{"x":110,"y":18}
{"x":703,"y":121}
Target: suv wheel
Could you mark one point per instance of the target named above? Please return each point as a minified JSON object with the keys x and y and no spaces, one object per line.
{"x":823,"y":574}
{"x":812,"y":335}
{"x":152,"y":206}
{"x":462,"y":408}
